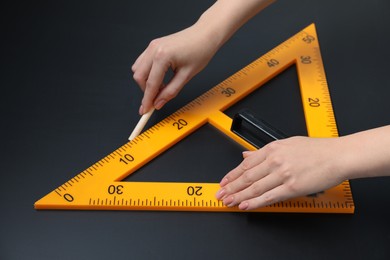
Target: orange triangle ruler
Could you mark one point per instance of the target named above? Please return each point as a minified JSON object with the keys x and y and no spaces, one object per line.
{"x":100,"y":187}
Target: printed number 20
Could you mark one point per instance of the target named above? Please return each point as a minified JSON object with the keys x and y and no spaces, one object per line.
{"x":314,"y":102}
{"x":194,"y":190}
{"x":180,"y":123}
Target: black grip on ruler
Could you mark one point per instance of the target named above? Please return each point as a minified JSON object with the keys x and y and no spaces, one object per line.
{"x":255,"y":131}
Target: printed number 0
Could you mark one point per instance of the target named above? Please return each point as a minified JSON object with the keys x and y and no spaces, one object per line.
{"x":68,"y":197}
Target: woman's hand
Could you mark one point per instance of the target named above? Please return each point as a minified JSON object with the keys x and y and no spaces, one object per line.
{"x":186,"y":53}
{"x":282,"y":170}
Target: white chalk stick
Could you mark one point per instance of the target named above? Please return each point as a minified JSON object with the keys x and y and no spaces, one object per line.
{"x":141,"y":124}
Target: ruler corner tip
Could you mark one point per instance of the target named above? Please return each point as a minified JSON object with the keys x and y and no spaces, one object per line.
{"x":311,"y":27}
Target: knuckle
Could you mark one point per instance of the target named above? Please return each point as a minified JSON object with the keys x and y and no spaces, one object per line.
{"x":286,"y":172}
{"x":274,"y":156}
{"x":138,"y":77}
{"x":245,"y":165}
{"x":269,"y":199}
{"x":154,"y":43}
{"x":186,"y":75}
{"x":292,"y":187}
{"x":256,"y":189}
{"x":228,"y":189}
{"x":273,"y":146}
{"x":159,"y":50}
{"x":247,"y":177}
{"x":275,"y":161}
{"x":170,"y":93}
{"x":150,"y":84}
{"x":160,"y":54}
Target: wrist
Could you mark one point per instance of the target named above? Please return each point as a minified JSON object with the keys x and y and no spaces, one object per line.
{"x":211,"y":30}
{"x":225,"y":17}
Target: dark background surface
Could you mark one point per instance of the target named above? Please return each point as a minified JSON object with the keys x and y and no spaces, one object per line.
{"x":68,"y":99}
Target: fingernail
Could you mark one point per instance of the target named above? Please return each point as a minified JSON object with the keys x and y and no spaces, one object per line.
{"x":220,"y":194}
{"x":159,"y":104}
{"x":243,"y":205}
{"x":223,"y":182}
{"x":246,"y":153}
{"x":229,"y":201}
{"x":141,"y":110}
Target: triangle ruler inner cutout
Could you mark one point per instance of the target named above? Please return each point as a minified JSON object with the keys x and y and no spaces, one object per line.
{"x":99,"y":187}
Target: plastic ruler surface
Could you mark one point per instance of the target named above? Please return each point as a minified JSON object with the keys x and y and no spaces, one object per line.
{"x":100,"y":187}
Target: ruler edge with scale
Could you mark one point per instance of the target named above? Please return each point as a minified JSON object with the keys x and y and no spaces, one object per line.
{"x":278,"y":207}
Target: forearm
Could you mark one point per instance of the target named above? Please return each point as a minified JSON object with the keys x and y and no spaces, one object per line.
{"x":225,"y":17}
{"x":366,"y":154}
